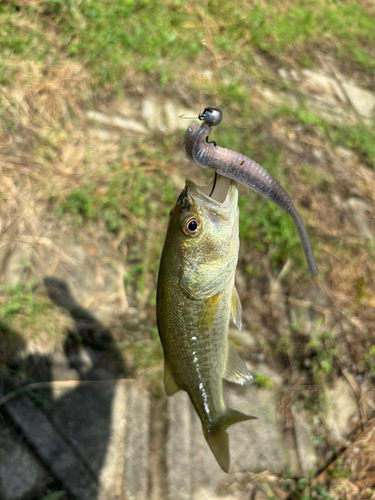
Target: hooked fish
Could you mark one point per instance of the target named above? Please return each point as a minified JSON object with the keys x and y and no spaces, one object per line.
{"x":196,"y":297}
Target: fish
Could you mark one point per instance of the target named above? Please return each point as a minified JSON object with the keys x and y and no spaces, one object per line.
{"x":196,"y":296}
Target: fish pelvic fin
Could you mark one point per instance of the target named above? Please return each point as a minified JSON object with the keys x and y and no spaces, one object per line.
{"x":218,"y":439}
{"x":235,"y":369}
{"x":169,"y":383}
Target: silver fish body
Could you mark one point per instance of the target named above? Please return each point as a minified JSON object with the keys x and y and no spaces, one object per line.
{"x":195,"y":299}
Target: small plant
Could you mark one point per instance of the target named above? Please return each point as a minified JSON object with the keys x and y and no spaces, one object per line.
{"x":369,"y":360}
{"x":56,"y":495}
{"x":19,"y":298}
{"x":262,"y":380}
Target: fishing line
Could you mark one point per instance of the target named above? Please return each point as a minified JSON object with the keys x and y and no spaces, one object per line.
{"x":203,"y":57}
{"x":213,"y":185}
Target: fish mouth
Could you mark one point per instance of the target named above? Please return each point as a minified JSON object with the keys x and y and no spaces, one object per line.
{"x":218,"y":192}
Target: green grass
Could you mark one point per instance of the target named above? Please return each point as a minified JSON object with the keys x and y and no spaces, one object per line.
{"x":359,"y":138}
{"x":26,"y":309}
{"x":123,"y":200}
{"x":20,"y":301}
{"x":262,"y":380}
{"x":273,"y":29}
{"x":124,"y":37}
{"x":265,"y":226}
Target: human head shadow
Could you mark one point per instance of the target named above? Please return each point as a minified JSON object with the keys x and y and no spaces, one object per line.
{"x":87,"y":332}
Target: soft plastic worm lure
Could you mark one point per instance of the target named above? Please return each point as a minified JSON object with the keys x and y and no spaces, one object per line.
{"x":241,"y":169}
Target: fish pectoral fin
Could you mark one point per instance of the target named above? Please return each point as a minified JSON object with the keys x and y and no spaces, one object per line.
{"x":204,"y":280}
{"x":235,"y":369}
{"x":236,"y":309}
{"x":206,"y":319}
{"x":169,"y":383}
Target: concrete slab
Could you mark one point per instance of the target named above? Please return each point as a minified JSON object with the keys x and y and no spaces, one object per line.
{"x":21,"y":474}
{"x":179,"y":447}
{"x":136,"y":464}
{"x":52,"y":449}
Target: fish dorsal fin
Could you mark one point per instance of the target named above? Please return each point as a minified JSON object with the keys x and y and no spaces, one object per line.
{"x":235,"y":369}
{"x":236,"y":309}
{"x":169,"y":383}
{"x":204,"y":280}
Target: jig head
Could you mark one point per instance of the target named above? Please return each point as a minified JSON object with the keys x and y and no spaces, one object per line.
{"x":243,"y":170}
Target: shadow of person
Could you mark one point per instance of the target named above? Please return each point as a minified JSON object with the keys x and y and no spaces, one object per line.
{"x":11,"y":343}
{"x":82,"y":414}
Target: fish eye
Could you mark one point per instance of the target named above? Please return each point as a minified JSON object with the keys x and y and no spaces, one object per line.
{"x":191,"y":226}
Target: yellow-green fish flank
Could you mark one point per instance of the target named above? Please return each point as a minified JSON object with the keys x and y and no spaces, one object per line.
{"x":195,"y":299}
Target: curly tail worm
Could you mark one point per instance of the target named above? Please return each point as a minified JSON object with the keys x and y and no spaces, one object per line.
{"x":243,"y":170}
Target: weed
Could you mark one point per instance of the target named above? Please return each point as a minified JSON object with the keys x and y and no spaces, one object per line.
{"x":359,"y":138}
{"x":26,"y":309}
{"x":18,"y":299}
{"x":262,"y":380}
{"x":145,"y":353}
{"x":301,"y":489}
{"x":79,"y":203}
{"x":369,"y":360}
{"x":122,"y":200}
{"x":54,"y":495}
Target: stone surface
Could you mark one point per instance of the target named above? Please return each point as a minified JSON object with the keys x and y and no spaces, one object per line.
{"x":305,"y":447}
{"x":112,"y":469}
{"x":52,"y":449}
{"x":136,"y":463}
{"x":179,"y":447}
{"x":97,"y":444}
{"x":361,"y":212}
{"x":256,"y":445}
{"x":21,"y":474}
{"x":341,"y":408}
{"x":116,"y":121}
{"x":318,"y":82}
{"x":362,"y":100}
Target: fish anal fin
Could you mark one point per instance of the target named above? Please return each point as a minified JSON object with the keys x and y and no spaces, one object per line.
{"x":169,"y":383}
{"x":236,"y":309}
{"x":235,"y":369}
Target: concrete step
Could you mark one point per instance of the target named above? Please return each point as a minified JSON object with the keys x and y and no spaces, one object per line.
{"x":113,"y":440}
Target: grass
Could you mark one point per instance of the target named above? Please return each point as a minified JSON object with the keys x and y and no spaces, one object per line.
{"x":125,"y":38}
{"x":122,"y":199}
{"x":359,"y":138}
{"x":25,"y":308}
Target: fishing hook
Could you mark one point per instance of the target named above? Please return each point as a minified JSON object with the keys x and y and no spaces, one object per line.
{"x":242,"y":169}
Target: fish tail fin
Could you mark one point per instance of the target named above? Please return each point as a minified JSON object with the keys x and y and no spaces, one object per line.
{"x":219,"y":445}
{"x":218,"y":441}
